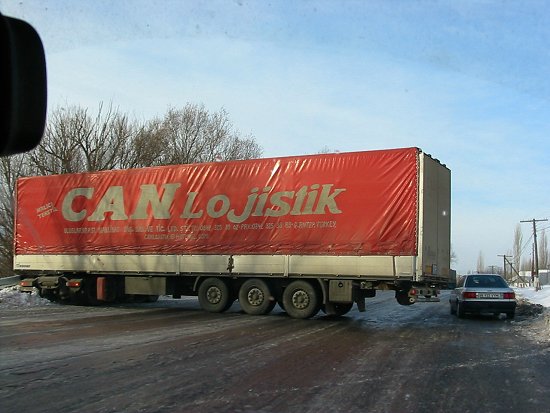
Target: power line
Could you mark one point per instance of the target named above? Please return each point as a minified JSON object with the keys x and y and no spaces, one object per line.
{"x":524,"y":246}
{"x":513,"y":270}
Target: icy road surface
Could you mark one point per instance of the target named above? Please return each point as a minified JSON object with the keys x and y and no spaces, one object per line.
{"x":170,"y":356}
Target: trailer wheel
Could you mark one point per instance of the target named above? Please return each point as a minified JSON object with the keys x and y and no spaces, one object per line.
{"x":255,"y":297}
{"x":214,"y":295}
{"x":301,"y":300}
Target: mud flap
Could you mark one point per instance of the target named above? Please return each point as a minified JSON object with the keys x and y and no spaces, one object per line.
{"x":105,"y":289}
{"x":101,"y":288}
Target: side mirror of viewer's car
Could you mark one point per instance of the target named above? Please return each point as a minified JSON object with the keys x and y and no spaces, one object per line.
{"x":23,"y":90}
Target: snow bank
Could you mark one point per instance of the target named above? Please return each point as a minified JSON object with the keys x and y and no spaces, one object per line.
{"x":536,"y":327}
{"x":541,"y":297}
{"x":11,"y":297}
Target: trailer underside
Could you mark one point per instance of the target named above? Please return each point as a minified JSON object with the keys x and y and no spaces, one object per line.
{"x":302,"y":285}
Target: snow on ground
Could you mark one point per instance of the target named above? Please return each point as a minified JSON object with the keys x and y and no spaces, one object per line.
{"x":541,"y":297}
{"x":532,"y":314}
{"x":11,"y":297}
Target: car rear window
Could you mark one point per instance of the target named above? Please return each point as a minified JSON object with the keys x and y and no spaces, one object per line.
{"x":486,"y":281}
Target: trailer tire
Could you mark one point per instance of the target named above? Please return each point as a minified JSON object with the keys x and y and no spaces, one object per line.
{"x":214,"y":295}
{"x":301,"y":300}
{"x":255,"y":297}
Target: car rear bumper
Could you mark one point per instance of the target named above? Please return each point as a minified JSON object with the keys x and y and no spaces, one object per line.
{"x":488,"y":306}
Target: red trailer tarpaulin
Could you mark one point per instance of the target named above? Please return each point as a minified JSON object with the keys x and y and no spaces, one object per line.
{"x":357,"y":203}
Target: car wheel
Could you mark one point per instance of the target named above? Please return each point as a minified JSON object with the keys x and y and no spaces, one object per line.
{"x":510,"y":315}
{"x":459,"y":310}
{"x":453,"y":310}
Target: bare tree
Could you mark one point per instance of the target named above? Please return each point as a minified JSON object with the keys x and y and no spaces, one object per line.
{"x":527,"y":265}
{"x":147,"y":146}
{"x":544,"y":258}
{"x":453,"y":257}
{"x":325,"y":150}
{"x":480,"y":267}
{"x":518,"y":246}
{"x":11,"y":168}
{"x":75,"y":141}
{"x":192,"y":134}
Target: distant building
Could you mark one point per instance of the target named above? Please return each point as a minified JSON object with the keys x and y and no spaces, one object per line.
{"x":544,"y":278}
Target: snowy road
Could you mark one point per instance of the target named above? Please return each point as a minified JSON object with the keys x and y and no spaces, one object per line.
{"x":171,"y":357}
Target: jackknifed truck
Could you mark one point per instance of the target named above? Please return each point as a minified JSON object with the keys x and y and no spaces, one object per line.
{"x":310,"y":233}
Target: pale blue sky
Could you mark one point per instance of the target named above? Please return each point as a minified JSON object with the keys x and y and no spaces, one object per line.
{"x":466,"y":81}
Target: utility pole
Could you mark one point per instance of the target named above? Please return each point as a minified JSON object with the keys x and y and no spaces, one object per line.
{"x":535,"y":251}
{"x":514,"y":270}
{"x":504,"y":265}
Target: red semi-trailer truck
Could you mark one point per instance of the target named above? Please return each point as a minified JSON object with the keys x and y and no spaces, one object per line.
{"x":308,"y":232}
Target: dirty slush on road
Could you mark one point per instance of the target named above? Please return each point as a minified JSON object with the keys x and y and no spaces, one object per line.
{"x":533,"y":321}
{"x":171,"y":356}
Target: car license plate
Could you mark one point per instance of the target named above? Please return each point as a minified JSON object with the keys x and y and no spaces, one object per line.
{"x":489,"y":295}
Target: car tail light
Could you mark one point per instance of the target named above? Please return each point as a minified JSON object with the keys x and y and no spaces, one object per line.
{"x":73,"y":283}
{"x":469,"y":294}
{"x":26,"y":283}
{"x":509,"y":296}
